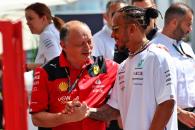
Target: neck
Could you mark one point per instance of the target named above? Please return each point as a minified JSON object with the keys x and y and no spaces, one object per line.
{"x":140,"y":46}
{"x":75,"y":64}
{"x":169,"y":33}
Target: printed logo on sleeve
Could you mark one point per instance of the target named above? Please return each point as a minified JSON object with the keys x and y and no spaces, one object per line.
{"x":168,"y":77}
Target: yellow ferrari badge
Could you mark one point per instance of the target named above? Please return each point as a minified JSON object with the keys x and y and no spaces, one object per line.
{"x":96,"y":69}
{"x":63,"y":86}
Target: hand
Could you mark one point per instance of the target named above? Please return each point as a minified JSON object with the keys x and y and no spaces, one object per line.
{"x":71,"y":105}
{"x":187,"y":118}
{"x":80,"y":112}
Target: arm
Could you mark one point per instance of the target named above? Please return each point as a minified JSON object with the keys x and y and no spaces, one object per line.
{"x":186,"y":117}
{"x":105,"y":113}
{"x":32,"y":66}
{"x":46,"y":119}
{"x":162,"y":115}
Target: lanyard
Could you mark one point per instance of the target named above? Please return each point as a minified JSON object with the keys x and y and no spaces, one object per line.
{"x":182,"y":51}
{"x":71,"y":87}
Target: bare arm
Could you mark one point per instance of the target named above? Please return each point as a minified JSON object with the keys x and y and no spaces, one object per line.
{"x":105,"y":113}
{"x":32,"y":66}
{"x":186,"y":117}
{"x":162,"y":115}
{"x":46,"y":119}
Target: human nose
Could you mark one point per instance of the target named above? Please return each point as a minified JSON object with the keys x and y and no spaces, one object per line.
{"x":113,"y":34}
{"x":190,"y":29}
{"x":87,"y":46}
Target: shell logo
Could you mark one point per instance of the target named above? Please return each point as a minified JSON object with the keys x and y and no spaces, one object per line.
{"x":63,"y":86}
{"x":96,"y":69}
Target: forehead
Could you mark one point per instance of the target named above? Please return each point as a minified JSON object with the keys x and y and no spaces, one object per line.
{"x":144,"y":4}
{"x":118,"y":18}
{"x":80,"y":31}
{"x":30,"y":12}
{"x":115,"y":6}
{"x":188,"y":17}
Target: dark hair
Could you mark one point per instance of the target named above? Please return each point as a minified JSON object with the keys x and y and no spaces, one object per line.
{"x":176,"y":10}
{"x":43,"y":10}
{"x":64,"y":33}
{"x":40,"y":9}
{"x":140,"y":15}
{"x":58,"y":22}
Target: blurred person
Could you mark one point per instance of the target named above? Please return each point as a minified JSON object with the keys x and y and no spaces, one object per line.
{"x":104,"y":44}
{"x":41,"y":22}
{"x":122,"y":54}
{"x":73,"y":74}
{"x":177,"y":25}
{"x":144,"y":90}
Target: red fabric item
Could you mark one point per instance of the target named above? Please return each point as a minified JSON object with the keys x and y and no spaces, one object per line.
{"x":53,"y":93}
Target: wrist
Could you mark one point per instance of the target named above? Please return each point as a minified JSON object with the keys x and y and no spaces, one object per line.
{"x":91,"y":111}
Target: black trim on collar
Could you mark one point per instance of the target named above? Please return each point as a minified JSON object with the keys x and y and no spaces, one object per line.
{"x":98,"y":67}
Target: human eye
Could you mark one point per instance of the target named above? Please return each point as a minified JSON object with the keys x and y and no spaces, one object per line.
{"x":115,"y":28}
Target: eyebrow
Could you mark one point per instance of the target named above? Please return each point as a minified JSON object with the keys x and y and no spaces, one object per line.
{"x":115,"y":27}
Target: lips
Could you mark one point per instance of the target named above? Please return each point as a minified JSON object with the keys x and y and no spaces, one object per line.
{"x":86,"y":53}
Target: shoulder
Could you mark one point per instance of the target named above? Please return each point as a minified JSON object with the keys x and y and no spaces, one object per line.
{"x":101,"y":61}
{"x":159,"y":54}
{"x":104,"y":65}
{"x":49,"y":33}
{"x":51,"y":65}
{"x":111,"y":63}
{"x":99,"y":35}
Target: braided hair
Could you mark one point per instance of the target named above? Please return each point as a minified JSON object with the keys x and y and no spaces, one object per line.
{"x":140,"y":15}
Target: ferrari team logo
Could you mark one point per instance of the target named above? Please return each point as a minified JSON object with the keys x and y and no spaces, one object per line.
{"x":63,"y":86}
{"x":96,"y":69}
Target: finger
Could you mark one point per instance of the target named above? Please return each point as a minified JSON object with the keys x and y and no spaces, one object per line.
{"x":76,"y":102}
{"x":75,"y":99}
{"x":84,"y":105}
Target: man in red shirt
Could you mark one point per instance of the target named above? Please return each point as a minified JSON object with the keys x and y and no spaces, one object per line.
{"x":72,"y":74}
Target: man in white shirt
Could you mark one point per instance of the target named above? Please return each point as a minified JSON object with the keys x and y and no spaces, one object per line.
{"x":104,"y":44}
{"x":121,"y":55}
{"x":178,"y":23}
{"x":144,"y":90}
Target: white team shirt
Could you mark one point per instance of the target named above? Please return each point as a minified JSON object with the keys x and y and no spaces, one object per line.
{"x":49,"y":46}
{"x":143,"y":82}
{"x":104,"y":45}
{"x":185,"y":68}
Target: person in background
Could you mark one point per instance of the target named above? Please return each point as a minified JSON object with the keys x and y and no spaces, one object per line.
{"x":73,"y":74}
{"x":41,"y":22}
{"x":104,"y":45}
{"x":177,"y":25}
{"x":122,"y":54}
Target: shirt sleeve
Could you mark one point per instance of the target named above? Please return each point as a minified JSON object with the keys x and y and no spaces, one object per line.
{"x":165,"y":79}
{"x":113,"y":100}
{"x":50,"y":46}
{"x":39,"y":97}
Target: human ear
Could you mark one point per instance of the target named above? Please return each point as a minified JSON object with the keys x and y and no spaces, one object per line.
{"x":131,"y":28}
{"x":62,"y":43}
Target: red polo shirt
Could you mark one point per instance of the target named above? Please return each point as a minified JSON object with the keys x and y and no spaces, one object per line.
{"x":50,"y":87}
